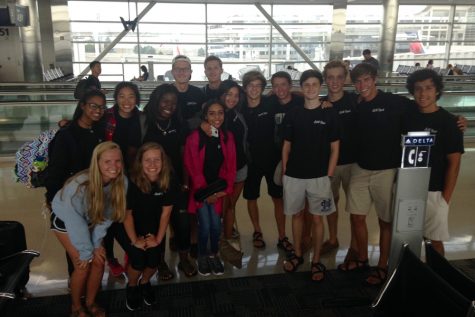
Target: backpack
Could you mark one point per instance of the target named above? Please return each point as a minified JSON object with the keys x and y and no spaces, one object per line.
{"x":80,"y":89}
{"x":32,"y":159}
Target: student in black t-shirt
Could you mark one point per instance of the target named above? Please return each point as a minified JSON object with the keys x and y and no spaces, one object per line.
{"x":122,"y":127}
{"x":213,"y":71}
{"x":309,"y":158}
{"x":150,"y":199}
{"x":334,"y":74}
{"x":380,"y":121}
{"x":161,"y":125}
{"x":264,"y":155}
{"x":426,"y":86}
{"x":190,"y":98}
{"x":93,"y":82}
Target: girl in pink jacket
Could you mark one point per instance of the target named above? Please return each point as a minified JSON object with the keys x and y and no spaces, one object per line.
{"x":208,"y":159}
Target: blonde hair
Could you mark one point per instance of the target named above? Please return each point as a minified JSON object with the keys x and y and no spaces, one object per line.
{"x":139,"y":177}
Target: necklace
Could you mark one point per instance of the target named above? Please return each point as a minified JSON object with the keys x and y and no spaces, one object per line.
{"x":164,"y":131}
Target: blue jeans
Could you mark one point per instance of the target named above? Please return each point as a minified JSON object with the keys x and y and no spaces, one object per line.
{"x":209,"y":228}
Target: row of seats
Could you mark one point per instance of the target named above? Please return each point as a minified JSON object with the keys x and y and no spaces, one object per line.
{"x":466,"y":69}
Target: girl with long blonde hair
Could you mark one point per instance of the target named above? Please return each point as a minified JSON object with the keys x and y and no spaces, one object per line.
{"x":86,"y":206}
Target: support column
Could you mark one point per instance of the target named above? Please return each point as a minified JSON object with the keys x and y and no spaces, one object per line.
{"x":338,"y":29}
{"x":388,"y":36}
{"x":31,"y":44}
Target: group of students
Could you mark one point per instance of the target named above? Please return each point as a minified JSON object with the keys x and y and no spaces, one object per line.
{"x":123,"y":174}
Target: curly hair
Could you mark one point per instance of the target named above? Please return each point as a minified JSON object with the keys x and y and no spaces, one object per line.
{"x":424,"y":74}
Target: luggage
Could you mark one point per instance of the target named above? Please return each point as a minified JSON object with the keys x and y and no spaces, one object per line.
{"x":12,"y":240}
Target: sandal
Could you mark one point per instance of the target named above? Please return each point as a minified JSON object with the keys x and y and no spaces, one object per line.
{"x":164,"y":272}
{"x":377,"y":276}
{"x":80,"y":312}
{"x":258,"y":241}
{"x":318,"y":271}
{"x":187,"y":268}
{"x":328,"y":247}
{"x":294,"y":261}
{"x":96,"y":310}
{"x":285,"y":245}
{"x":353,"y":265}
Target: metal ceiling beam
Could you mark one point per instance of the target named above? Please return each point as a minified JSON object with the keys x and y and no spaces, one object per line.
{"x":119,"y":37}
{"x":286,"y":36}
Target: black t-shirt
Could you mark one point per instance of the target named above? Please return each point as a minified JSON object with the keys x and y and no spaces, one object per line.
{"x":93,"y":83}
{"x":260,"y":122}
{"x":235,"y":124}
{"x":279,"y":113}
{"x":210,"y":93}
{"x":127,"y":133}
{"x":147,"y":207}
{"x":346,"y":107}
{"x":379,"y":126}
{"x":189,"y":106}
{"x":448,"y":140}
{"x":310,"y":131}
{"x":214,"y":157}
{"x":169,"y":135}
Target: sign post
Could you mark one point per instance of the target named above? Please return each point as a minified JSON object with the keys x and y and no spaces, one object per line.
{"x":410,"y":195}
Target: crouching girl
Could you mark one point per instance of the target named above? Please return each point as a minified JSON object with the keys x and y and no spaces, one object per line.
{"x":150,"y":200}
{"x":85,"y":207}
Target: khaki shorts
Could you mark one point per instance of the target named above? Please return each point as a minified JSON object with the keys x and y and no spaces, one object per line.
{"x":436,"y":226}
{"x":341,"y":177}
{"x":368,"y":187}
{"x":317,"y":191}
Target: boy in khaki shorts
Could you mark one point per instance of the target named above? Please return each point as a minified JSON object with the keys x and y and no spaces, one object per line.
{"x":309,"y":157}
{"x":426,"y":86}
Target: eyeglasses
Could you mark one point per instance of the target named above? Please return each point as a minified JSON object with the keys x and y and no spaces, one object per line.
{"x":182,"y":70}
{"x":93,"y":106}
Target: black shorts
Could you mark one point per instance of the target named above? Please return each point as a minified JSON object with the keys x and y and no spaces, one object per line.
{"x":140,"y":259}
{"x":252,"y":184}
{"x":57,"y":224}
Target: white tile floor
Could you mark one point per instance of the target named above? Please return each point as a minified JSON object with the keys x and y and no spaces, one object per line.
{"x":49,"y":276}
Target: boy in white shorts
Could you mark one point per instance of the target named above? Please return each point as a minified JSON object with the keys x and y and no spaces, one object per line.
{"x":426,"y":86}
{"x":309,"y":157}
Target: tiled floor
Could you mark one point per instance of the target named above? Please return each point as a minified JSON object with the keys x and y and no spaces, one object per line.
{"x":49,"y":276}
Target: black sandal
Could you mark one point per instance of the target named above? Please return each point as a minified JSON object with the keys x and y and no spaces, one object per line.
{"x":295,"y":261}
{"x":258,"y":241}
{"x":285,"y":245}
{"x":353,"y":265}
{"x":318,"y":269}
{"x":378,"y":274}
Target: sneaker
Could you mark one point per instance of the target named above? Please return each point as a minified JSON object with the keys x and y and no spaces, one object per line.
{"x":115,"y":268}
{"x":203,"y":266}
{"x":216,"y":265}
{"x":148,"y":294}
{"x":133,"y":297}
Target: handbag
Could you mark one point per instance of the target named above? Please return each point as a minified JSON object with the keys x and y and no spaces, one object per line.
{"x":216,"y":186}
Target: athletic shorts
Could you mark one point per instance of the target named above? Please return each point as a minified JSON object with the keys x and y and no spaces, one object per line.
{"x":57,"y":224}
{"x":317,"y":191}
{"x":241,"y":174}
{"x":252,"y":185}
{"x":341,"y":177}
{"x":436,"y":226}
{"x":369,"y":187}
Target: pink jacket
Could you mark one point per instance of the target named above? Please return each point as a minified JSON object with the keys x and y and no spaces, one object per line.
{"x":194,"y":161}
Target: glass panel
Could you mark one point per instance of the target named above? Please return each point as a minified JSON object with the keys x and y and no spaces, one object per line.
{"x":100,"y":10}
{"x":304,"y":33}
{"x":236,"y":13}
{"x":364,"y":14}
{"x":423,"y":14}
{"x":176,"y":12}
{"x":314,"y":51}
{"x":303,"y":13}
{"x":462,"y":51}
{"x":423,"y":32}
{"x":465,"y":14}
{"x":222,"y":33}
{"x":99,"y":31}
{"x":172,"y":33}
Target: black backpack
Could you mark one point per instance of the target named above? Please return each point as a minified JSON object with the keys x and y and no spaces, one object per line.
{"x":80,"y":88}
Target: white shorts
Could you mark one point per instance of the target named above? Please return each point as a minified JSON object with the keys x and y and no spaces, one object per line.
{"x":317,"y":191}
{"x":437,"y":217}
